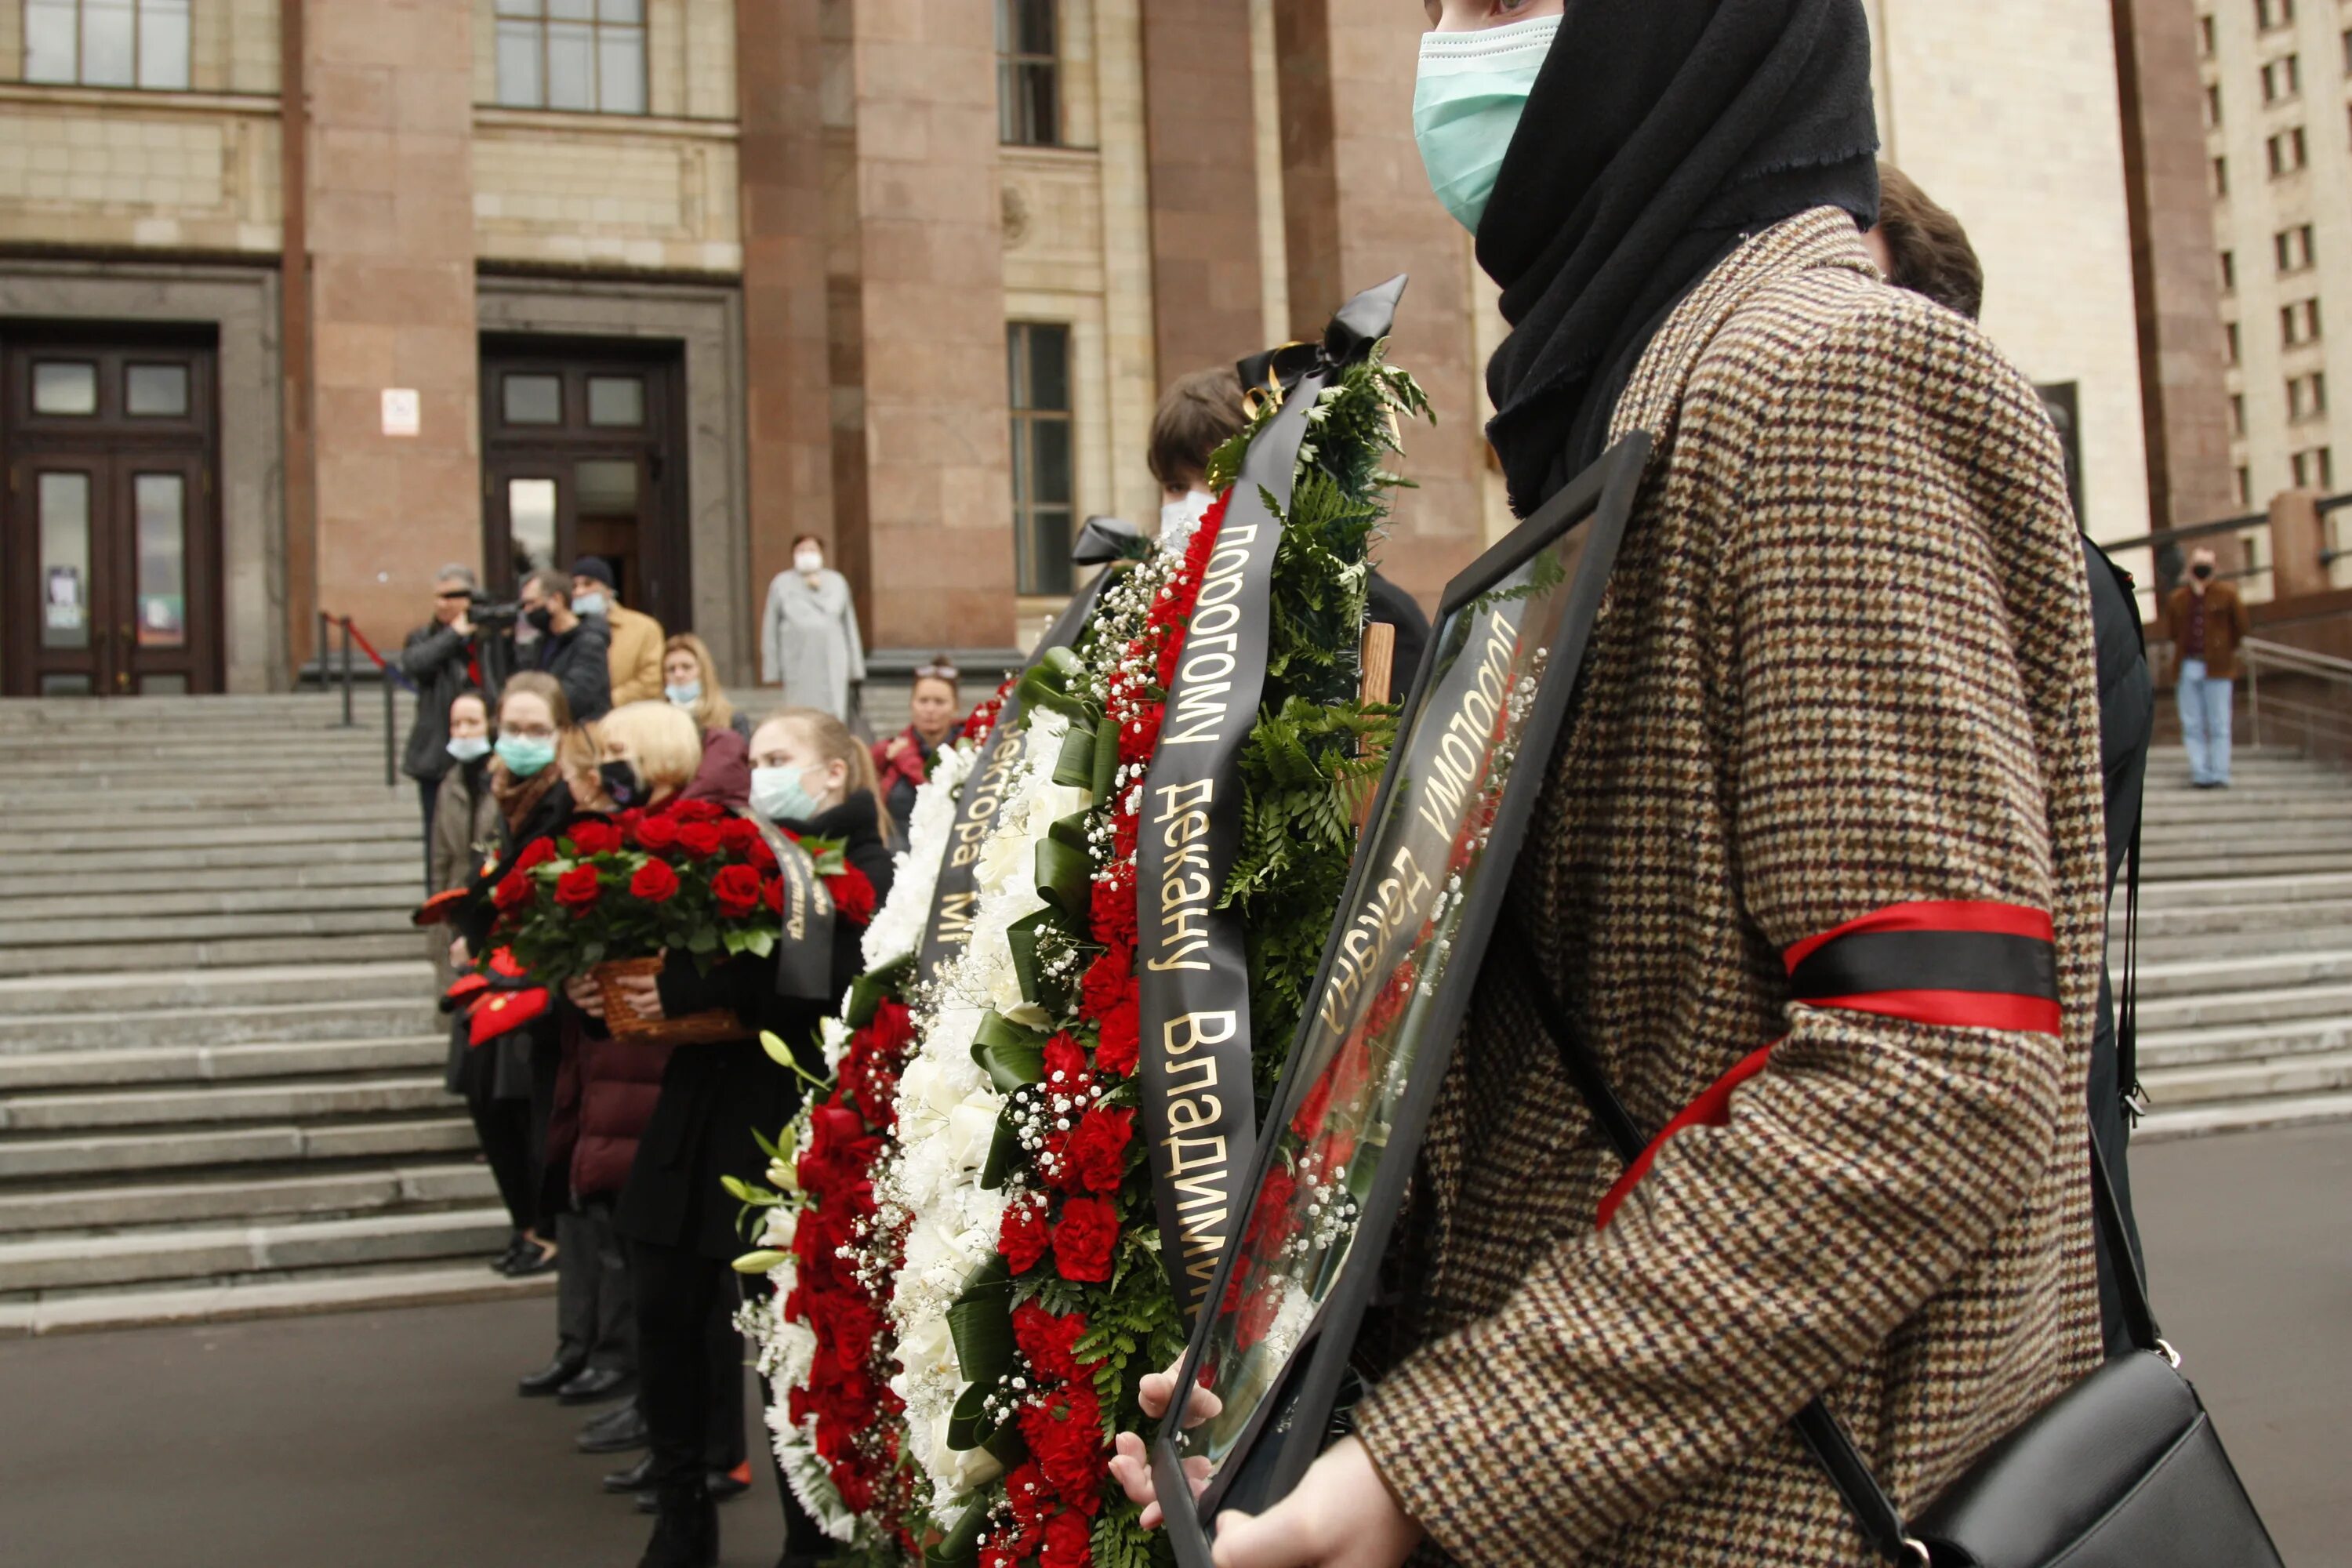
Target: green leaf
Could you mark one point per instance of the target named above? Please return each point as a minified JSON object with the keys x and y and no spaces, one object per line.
{"x":968,"y":1424}
{"x":1054,"y":683}
{"x":1075,"y":767}
{"x":1106,"y":763}
{"x":961,"y":1548}
{"x":1065,"y":865}
{"x":1012,"y":1055}
{"x":1003,"y":1150}
{"x":982,"y":1323}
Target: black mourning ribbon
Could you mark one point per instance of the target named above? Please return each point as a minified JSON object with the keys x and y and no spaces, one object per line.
{"x":1349,"y":338}
{"x":1106,"y":538}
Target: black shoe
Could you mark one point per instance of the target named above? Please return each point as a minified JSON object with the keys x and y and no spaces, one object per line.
{"x":616,"y":1431}
{"x":686,"y":1528}
{"x":638,"y":1477}
{"x":532,"y":1258}
{"x":597,"y":1384}
{"x":549,"y":1378}
{"x":725,"y":1486}
{"x":504,"y":1263}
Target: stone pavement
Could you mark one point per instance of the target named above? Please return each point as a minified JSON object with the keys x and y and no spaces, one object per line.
{"x":388,"y":1439}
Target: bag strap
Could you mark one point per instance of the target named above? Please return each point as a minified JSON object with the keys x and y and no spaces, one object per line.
{"x":1831,"y":1447}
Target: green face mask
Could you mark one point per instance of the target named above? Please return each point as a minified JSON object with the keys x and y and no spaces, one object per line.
{"x":1466,"y":103}
{"x":525,"y":758}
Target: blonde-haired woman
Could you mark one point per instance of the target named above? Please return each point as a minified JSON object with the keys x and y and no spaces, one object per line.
{"x":690,"y":681}
{"x":646,"y":754}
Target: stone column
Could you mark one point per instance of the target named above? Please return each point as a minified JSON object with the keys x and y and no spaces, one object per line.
{"x":788,"y":434}
{"x":1360,"y":211}
{"x":2298,"y":538}
{"x":392,"y":252}
{"x":927,"y":352}
{"x":2183,"y":372}
{"x":1201,"y":126}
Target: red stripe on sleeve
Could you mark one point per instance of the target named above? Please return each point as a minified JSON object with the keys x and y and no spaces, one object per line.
{"x":2004,"y":919}
{"x":1712,"y":1109}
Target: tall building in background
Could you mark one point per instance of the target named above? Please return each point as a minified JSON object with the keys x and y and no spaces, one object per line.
{"x":2276,"y":77}
{"x":301,"y":299}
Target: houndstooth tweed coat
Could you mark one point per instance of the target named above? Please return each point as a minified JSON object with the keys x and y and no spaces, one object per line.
{"x":1845,"y":664}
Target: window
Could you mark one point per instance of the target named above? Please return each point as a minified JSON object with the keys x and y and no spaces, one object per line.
{"x":2220,"y":176}
{"x":2288,"y":154}
{"x":2281,"y":78}
{"x":2213,"y":104}
{"x":2237,"y":414}
{"x":572,"y":54}
{"x":2229,"y":272}
{"x":2347,"y":51}
{"x":2230,"y":340}
{"x":2306,"y":397}
{"x":1028,"y":74}
{"x":2299,"y":323}
{"x":1037,"y":377}
{"x":2294,"y":246}
{"x":2245,"y":486}
{"x":2313,"y":469}
{"x":2271,"y":15}
{"x":2205,"y":37}
{"x":107,"y":43}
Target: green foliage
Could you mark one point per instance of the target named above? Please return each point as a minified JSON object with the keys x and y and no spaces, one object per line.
{"x":1121,"y":1542}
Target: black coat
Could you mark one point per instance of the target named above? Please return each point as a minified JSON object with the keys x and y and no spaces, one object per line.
{"x":477,"y":914}
{"x":579,"y":662}
{"x":713,"y":1097}
{"x":436,"y":658}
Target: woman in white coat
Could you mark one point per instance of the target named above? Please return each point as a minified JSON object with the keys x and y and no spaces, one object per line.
{"x":808,"y":638}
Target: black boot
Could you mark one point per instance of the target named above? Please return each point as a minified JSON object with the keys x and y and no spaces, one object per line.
{"x":686,"y":1528}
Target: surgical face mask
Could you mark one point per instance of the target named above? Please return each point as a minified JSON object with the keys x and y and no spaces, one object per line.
{"x":2201,"y":573}
{"x":1178,"y":519}
{"x":524,"y":756}
{"x":467,"y":748}
{"x":781,"y":795}
{"x":589,"y":603}
{"x":685,"y":695}
{"x":808,"y":563}
{"x":541,"y":618}
{"x":622,"y":785}
{"x":1467,"y":102}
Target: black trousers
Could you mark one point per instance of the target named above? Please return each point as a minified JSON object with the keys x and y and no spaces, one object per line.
{"x":689,"y":1360}
{"x":428,"y":791}
{"x":595,"y":1315}
{"x":502,"y":1127}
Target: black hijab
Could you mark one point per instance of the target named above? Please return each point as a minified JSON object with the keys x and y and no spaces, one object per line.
{"x":1658,"y":135}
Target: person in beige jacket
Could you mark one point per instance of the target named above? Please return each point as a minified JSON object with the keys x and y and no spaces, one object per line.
{"x":636,"y":652}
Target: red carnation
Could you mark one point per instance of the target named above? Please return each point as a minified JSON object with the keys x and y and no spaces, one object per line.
{"x":595,"y":838}
{"x":655,"y":883}
{"x":700,"y":839}
{"x":736,"y":889}
{"x":1122,"y":1043}
{"x":1084,"y":1240}
{"x":1104,"y":985}
{"x":1049,"y":1341}
{"x":1095,"y":1159}
{"x":1069,"y":1542}
{"x":657,"y":833}
{"x":1066,"y":1063}
{"x":578,"y":888}
{"x":853,"y":895}
{"x":1064,"y":1431}
{"x":513,"y":888}
{"x":1114,"y":911}
{"x":1138,"y":737}
{"x":536,"y":853}
{"x":1022,"y":1235}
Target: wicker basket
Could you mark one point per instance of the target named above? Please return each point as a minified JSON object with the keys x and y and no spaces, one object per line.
{"x":625,"y":1023}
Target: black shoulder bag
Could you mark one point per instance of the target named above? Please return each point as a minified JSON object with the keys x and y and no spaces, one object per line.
{"x":2122,"y":1470}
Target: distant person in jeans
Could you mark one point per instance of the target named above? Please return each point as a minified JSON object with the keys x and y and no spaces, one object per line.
{"x":2206,"y":621}
{"x":437,"y":656}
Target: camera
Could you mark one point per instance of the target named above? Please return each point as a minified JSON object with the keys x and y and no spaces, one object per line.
{"x":496,"y":617}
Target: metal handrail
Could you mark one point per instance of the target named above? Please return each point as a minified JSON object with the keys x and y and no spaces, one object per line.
{"x":2290,"y":660}
{"x":387,"y":675}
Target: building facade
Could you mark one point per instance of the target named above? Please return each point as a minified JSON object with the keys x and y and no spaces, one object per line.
{"x":300,"y":299}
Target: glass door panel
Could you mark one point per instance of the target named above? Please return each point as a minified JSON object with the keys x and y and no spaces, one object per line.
{"x":159,"y":504}
{"x":63,"y":502}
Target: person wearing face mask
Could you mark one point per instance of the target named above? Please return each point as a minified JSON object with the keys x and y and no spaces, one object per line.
{"x":466,"y":812}
{"x":1200,"y":413}
{"x":633,"y":660}
{"x":691,"y":680}
{"x":1838,"y":722}
{"x":2205,"y":621}
{"x":570,"y":647}
{"x":904,"y":761}
{"x":809,"y":641}
{"x":439,"y":656}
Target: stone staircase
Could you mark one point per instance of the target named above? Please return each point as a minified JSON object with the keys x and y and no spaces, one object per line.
{"x":2245,"y":1007}
{"x":220,"y":1064}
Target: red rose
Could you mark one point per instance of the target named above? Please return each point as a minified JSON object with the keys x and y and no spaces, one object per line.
{"x":738,"y":835}
{"x":1066,"y":1063}
{"x":700,"y":839}
{"x":1064,"y":1431}
{"x":595,"y":838}
{"x":1121,"y":1041}
{"x":536,"y":853}
{"x":1050,"y":1343}
{"x":771,"y":892}
{"x":757,"y":853}
{"x":1095,"y":1159}
{"x":1022,"y":1235}
{"x":513,"y":888}
{"x":1084,"y":1240}
{"x":657,"y":833}
{"x":697,"y":811}
{"x":737,"y":889}
{"x":1069,"y":1541}
{"x":853,"y":895}
{"x":655,"y":883}
{"x":578,"y":888}
{"x":1104,"y":985}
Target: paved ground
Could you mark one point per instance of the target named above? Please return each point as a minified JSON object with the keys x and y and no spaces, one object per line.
{"x":393,"y":1439}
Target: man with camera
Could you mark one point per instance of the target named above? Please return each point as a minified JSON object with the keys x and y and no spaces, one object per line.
{"x":439,"y":656}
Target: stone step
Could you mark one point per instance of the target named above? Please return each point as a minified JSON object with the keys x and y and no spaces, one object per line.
{"x":2218,"y":1009}
{"x":321,"y":860}
{"x":390,"y":872}
{"x":227,"y":952}
{"x":327,"y":1290}
{"x":304,"y":1025}
{"x":389,"y":892}
{"x":83,"y":1262}
{"x":287,"y":928}
{"x":159,"y":986}
{"x":2252,"y":921}
{"x":2255,"y":1042}
{"x":95,"y":1155}
{"x":27,"y":1071}
{"x":2321,"y":1072}
{"x":145,"y":840}
{"x":2253,"y":837}
{"x":2243,"y":1116}
{"x":173,"y":1109}
{"x":2208,"y":977}
{"x":2282,"y":860}
{"x":2277,"y":932}
{"x":2319,"y":804}
{"x":215,"y":1199}
{"x":2278,"y":889}
{"x":67,"y":808}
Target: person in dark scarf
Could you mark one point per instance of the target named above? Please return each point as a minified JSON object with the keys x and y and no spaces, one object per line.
{"x":1657,"y":135}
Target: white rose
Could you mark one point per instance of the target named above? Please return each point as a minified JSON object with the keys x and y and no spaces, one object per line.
{"x":971,"y":1129}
